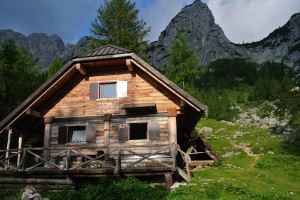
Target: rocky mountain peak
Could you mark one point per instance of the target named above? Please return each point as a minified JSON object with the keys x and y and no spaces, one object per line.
{"x":198,"y":24}
{"x":210,"y":43}
{"x":45,"y":48}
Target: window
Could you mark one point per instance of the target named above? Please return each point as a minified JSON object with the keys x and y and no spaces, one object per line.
{"x":106,"y":90}
{"x":76,"y":134}
{"x":139,"y":131}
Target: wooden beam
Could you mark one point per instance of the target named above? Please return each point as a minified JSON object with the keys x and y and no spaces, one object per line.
{"x":33,"y":113}
{"x":129,"y":65}
{"x":81,"y":69}
{"x":48,"y":120}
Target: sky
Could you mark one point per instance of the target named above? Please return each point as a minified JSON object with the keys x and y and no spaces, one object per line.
{"x":241,"y":20}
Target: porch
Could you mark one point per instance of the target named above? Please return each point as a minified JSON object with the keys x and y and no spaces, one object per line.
{"x":30,"y":165}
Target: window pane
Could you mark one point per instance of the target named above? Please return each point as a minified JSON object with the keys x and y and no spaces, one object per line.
{"x":78,"y":136}
{"x":108,"y":90}
{"x":138,"y":131}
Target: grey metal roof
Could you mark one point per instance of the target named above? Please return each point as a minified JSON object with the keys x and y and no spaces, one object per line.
{"x":105,"y":51}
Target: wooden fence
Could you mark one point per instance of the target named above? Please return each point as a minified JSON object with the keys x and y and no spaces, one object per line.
{"x":27,"y":159}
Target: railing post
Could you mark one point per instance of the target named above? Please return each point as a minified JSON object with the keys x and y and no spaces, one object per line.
{"x":19,"y":151}
{"x":68,"y":159}
{"x":7,"y":148}
{"x":174,"y":154}
{"x":24,"y":160}
{"x":118,"y":162}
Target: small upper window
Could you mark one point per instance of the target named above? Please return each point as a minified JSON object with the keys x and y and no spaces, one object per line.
{"x":108,"y":90}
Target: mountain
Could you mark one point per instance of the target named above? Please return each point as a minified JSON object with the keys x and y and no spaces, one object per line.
{"x":45,"y":48}
{"x":210,"y":43}
{"x":203,"y":34}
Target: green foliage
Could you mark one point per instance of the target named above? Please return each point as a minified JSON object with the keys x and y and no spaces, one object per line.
{"x":279,"y":161}
{"x":110,"y":188}
{"x":182,"y":62}
{"x":117,"y":23}
{"x":55,"y":66}
{"x":288,"y":102}
{"x":228,"y":73}
{"x":19,"y":76}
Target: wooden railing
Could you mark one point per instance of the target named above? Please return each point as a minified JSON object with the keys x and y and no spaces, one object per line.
{"x":110,"y":157}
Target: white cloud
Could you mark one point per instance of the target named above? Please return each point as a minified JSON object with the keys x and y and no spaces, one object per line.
{"x":251,"y":20}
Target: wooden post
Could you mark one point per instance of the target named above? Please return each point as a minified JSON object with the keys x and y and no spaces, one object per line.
{"x":48,"y":121}
{"x":8,"y":147}
{"x":118,"y":162}
{"x":107,"y":119}
{"x":168,"y":180}
{"x":172,"y":124}
{"x":19,"y":151}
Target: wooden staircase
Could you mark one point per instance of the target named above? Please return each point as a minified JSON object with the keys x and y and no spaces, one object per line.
{"x":191,"y":164}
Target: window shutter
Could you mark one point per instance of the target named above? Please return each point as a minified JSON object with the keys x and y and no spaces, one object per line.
{"x":62,"y":134}
{"x":122,"y":89}
{"x":90,"y":134}
{"x":123,"y":132}
{"x":154,"y":132}
{"x":94,"y":90}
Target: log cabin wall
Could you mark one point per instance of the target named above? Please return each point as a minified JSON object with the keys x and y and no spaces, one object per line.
{"x":141,"y":89}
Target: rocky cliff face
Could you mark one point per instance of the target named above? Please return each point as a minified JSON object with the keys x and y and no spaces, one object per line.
{"x":202,"y":33}
{"x":210,"y":43}
{"x":45,"y":48}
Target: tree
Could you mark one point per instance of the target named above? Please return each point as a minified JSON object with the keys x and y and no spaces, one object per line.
{"x":19,"y":76}
{"x":55,"y":66}
{"x":183,"y":62}
{"x":117,"y":23}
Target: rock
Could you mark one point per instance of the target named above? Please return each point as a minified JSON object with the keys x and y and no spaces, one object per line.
{"x":270,"y":152}
{"x":177,"y":185}
{"x":210,"y":43}
{"x":204,"y":130}
{"x":31,"y":194}
{"x":45,"y":48}
{"x":231,"y":153}
{"x":237,"y":134}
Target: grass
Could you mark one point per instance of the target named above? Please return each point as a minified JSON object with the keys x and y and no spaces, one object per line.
{"x":267,"y":167}
{"x":271,"y":172}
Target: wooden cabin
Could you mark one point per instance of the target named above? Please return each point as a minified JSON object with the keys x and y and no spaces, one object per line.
{"x":104,"y":112}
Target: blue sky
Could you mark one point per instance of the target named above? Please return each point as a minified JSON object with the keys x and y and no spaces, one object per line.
{"x":241,"y":20}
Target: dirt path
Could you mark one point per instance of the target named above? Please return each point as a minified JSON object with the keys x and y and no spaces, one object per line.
{"x":245,"y":147}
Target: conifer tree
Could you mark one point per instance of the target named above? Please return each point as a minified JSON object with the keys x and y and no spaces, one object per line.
{"x":19,"y":76}
{"x":55,"y":66}
{"x":182,"y":62}
{"x":117,"y":23}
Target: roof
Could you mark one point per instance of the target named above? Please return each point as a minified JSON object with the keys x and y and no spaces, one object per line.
{"x":68,"y":71}
{"x":105,"y":51}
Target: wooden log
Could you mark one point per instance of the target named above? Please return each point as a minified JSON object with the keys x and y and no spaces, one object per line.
{"x":66,"y":181}
{"x":81,"y":69}
{"x":168,"y":180}
{"x":38,"y":186}
{"x":33,"y":113}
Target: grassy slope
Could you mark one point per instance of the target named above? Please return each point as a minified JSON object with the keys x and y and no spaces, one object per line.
{"x":267,"y":166}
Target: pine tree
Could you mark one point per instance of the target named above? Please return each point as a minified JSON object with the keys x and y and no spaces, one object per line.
{"x":19,"y":76}
{"x":55,"y":66}
{"x":117,"y":23}
{"x":183,"y":62}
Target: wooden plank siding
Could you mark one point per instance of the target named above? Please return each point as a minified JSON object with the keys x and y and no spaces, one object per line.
{"x":140,"y":89}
